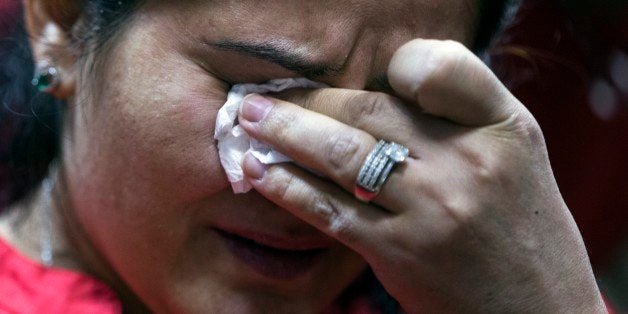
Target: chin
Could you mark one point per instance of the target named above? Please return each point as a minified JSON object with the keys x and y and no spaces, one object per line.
{"x":240,"y":271}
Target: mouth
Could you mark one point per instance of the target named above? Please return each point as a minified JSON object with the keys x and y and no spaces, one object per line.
{"x":274,"y":257}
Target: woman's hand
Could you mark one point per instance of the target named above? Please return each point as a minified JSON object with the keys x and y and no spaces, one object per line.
{"x":472,"y":221}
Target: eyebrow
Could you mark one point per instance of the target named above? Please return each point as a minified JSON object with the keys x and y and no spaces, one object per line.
{"x":294,"y":62}
{"x":281,"y":56}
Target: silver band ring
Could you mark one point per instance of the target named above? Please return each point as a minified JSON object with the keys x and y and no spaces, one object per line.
{"x":379,"y":164}
{"x":368,"y":163}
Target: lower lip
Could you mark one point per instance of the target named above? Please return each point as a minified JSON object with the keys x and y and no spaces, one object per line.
{"x":268,"y":261}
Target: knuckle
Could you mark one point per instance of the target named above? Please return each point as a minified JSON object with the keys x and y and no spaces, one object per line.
{"x":486,"y":167}
{"x":491,"y":172}
{"x":368,"y":106}
{"x":481,"y":167}
{"x":530,"y":131}
{"x":448,"y":59}
{"x":460,"y":207}
{"x":280,"y":124}
{"x":343,"y":150}
{"x":324,"y":207}
{"x":281,"y":184}
{"x":331,"y":212}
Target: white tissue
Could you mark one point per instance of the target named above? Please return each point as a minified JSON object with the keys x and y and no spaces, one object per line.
{"x":233,"y":142}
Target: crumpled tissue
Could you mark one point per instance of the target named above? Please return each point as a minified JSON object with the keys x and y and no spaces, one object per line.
{"x":234,"y":143}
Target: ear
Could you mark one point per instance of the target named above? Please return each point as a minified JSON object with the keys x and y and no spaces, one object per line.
{"x":50,"y":24}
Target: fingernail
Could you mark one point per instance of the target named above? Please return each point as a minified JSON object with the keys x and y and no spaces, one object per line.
{"x":255,"y":108}
{"x":253,"y":168}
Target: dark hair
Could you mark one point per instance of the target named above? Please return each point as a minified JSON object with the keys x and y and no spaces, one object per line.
{"x":30,"y":121}
{"x":493,"y":16}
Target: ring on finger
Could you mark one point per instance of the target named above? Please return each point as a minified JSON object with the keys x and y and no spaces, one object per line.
{"x":377,"y":168}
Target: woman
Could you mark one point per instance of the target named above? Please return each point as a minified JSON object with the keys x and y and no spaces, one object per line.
{"x":471,"y":220}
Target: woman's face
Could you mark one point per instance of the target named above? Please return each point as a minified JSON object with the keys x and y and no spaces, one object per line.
{"x":142,"y":168}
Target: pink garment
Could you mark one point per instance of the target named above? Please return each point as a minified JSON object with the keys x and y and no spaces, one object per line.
{"x":28,"y":287}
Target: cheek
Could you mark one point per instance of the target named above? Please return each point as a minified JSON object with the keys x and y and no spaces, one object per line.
{"x":142,"y":152}
{"x":140,"y":159}
{"x":167,"y":135}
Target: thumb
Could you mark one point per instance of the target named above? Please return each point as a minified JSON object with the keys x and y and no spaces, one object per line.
{"x":447,"y":80}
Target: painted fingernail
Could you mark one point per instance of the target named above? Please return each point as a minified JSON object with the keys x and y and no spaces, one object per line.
{"x":255,"y":108}
{"x":253,"y":168}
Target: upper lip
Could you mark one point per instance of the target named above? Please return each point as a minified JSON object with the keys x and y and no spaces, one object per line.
{"x":282,"y":241}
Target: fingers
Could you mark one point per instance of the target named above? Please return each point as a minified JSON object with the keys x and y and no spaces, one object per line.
{"x":449,"y":81}
{"x":316,"y":141}
{"x":379,"y":114}
{"x":312,"y":139}
{"x":318,"y":202}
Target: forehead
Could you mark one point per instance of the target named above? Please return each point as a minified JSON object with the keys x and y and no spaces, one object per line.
{"x":367,"y":13}
{"x":347,"y":34}
{"x":321,"y":22}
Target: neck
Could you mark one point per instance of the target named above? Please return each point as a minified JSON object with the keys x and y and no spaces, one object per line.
{"x":45,"y":228}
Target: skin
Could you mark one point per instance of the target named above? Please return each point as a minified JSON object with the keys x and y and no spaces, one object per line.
{"x":473,"y":221}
